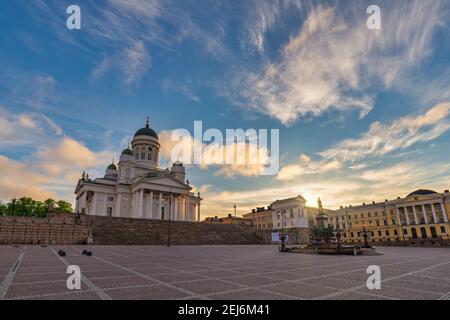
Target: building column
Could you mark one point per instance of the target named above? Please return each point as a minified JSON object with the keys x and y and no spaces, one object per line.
{"x":83,"y":202}
{"x":405,"y":212}
{"x":434,"y":213}
{"x":186,"y":208}
{"x":94,"y":204}
{"x":172,"y":207}
{"x":150,"y":205}
{"x":198,"y":212}
{"x":415,"y":215}
{"x":140,"y":203}
{"x":180,"y":208}
{"x":160,"y":205}
{"x":398,"y":216}
{"x":444,"y":213}
{"x":118,"y":209}
{"x":424,"y":214}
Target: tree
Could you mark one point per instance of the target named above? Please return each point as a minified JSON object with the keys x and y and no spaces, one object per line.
{"x":26,"y":206}
{"x":64,"y":207}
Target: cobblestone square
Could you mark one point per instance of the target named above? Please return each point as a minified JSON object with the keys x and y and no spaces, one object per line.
{"x":220,"y":272}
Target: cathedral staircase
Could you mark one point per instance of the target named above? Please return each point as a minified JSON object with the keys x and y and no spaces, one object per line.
{"x":126,"y":231}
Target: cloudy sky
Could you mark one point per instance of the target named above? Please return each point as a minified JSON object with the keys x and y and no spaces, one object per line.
{"x":363,"y":114}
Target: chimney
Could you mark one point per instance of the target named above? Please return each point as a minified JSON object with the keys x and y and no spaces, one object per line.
{"x":364,"y":203}
{"x":373,"y":202}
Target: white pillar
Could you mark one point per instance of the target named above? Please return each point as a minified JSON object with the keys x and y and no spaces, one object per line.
{"x":398,"y":216}
{"x":140,"y":203}
{"x":160,"y":205}
{"x":172,"y":207}
{"x":198,"y":212}
{"x":434,"y":213}
{"x":424,"y":214}
{"x":444,"y":214}
{"x":94,"y":204}
{"x":83,"y":202}
{"x":118,"y":209}
{"x":415,"y":215}
{"x":180,"y":208}
{"x":150,"y":206}
{"x":405,"y":212}
{"x":188,"y":209}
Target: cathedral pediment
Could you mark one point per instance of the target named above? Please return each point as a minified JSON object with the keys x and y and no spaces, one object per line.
{"x":166,"y":180}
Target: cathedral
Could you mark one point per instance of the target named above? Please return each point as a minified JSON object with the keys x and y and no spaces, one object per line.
{"x":138,"y":188}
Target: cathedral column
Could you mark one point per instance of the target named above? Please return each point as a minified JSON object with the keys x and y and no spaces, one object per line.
{"x":94,"y":204}
{"x":188,"y":209}
{"x":172,"y":207}
{"x":140,"y":203}
{"x":180,"y":208}
{"x":118,"y":205}
{"x":183,"y":208}
{"x":150,"y":206}
{"x":83,"y":202}
{"x":198,"y":212}
{"x":160,"y":205}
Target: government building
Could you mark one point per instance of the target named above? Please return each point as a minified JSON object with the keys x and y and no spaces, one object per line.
{"x":138,"y":188}
{"x":422,"y":217}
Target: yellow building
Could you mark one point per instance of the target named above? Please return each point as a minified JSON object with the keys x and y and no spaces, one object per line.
{"x":422,"y":217}
{"x":261,"y":218}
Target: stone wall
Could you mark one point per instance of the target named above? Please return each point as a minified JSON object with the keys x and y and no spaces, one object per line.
{"x":63,"y":229}
{"x":56,"y":229}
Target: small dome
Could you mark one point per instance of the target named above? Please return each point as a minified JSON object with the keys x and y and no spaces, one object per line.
{"x":112,"y":166}
{"x":178,"y":163}
{"x":421,"y":192}
{"x":128,"y":152}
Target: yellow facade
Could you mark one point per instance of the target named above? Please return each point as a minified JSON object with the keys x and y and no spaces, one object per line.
{"x":422,"y":216}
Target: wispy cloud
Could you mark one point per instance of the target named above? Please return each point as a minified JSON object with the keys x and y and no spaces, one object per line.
{"x":334,"y":62}
{"x":401,"y":133}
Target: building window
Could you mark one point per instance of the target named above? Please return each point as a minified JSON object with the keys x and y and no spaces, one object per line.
{"x":378,"y":223}
{"x":405,"y":231}
{"x":385,"y":222}
{"x":433,"y":232}
{"x":414,"y":233}
{"x":423,"y":233}
{"x":379,"y":233}
{"x":395,"y":233}
{"x":387,"y":233}
{"x":109,"y":211}
{"x":393,"y":222}
{"x":110,"y":199}
{"x":352,"y":234}
{"x":149,"y":156}
{"x":443,"y":229}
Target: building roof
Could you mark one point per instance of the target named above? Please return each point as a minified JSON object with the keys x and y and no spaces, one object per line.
{"x":421,"y":192}
{"x":127,"y":151}
{"x":146,"y":131}
{"x":112,"y":166}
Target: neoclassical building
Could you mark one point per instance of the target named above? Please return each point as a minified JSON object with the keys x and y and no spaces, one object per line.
{"x":138,"y":188}
{"x":421,"y":216}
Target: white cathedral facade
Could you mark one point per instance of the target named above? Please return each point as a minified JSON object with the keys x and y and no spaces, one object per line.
{"x":138,"y":188}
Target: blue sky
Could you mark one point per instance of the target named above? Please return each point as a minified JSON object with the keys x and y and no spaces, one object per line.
{"x":363,"y":115}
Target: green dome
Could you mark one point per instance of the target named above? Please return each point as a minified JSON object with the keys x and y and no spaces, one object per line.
{"x":112,"y":166}
{"x":128,"y":152}
{"x":146,"y":131}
